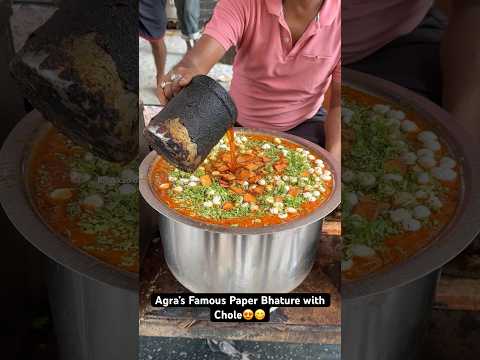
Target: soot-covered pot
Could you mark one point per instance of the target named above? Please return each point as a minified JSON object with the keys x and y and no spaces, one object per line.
{"x":192,"y":123}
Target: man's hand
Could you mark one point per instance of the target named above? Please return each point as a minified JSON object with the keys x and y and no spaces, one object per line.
{"x":198,"y":61}
{"x":173,"y":82}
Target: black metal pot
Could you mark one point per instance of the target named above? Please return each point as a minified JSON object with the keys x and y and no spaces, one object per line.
{"x":192,"y":123}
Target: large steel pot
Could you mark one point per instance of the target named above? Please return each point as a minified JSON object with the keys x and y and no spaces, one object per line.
{"x":212,"y":258}
{"x":94,"y":305}
{"x":385,"y":314}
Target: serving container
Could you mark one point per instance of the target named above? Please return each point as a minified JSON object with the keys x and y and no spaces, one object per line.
{"x":192,"y":123}
{"x":94,"y":305}
{"x":385,"y":314}
{"x":213,"y":258}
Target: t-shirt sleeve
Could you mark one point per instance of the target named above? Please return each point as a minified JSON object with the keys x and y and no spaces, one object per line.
{"x":228,"y":22}
{"x":337,"y":72}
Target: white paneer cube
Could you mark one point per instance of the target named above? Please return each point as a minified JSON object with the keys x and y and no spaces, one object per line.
{"x":61,"y":194}
{"x":409,"y":158}
{"x":425,"y":136}
{"x":444,"y":174}
{"x":411,"y":225}
{"x":77,"y":177}
{"x":361,"y":250}
{"x":93,"y":201}
{"x":425,"y":152}
{"x":399,"y":215}
{"x":421,"y":212}
{"x":367,"y":179}
{"x":127,"y":189}
{"x":381,"y":108}
{"x":423,"y":177}
{"x":348,"y":176}
{"x":433,"y":145}
{"x":447,"y":162}
{"x":393,"y":177}
{"x":427,"y":162}
{"x":434,"y":202}
{"x":351,"y":199}
{"x":408,"y":126}
{"x":396,"y":114}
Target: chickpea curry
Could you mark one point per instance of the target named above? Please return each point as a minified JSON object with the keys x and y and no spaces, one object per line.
{"x":400,"y":184}
{"x":89,"y":201}
{"x":248,"y":180}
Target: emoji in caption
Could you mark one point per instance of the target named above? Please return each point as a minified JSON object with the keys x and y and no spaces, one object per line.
{"x":248,"y":314}
{"x":259,"y":314}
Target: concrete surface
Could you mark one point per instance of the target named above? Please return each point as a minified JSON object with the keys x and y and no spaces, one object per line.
{"x":188,"y":349}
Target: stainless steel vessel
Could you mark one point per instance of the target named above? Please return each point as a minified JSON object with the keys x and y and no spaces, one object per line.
{"x":94,"y":305}
{"x":384,"y":315}
{"x":212,"y":258}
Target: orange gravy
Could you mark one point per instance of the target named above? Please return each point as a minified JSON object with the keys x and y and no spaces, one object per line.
{"x":233,"y":148}
{"x":160,"y":169}
{"x":400,"y":247}
{"x":45,"y":160}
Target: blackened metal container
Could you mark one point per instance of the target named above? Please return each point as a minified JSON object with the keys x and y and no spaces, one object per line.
{"x":79,"y":71}
{"x":192,"y":123}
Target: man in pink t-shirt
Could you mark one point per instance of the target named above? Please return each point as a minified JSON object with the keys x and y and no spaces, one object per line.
{"x":287,"y":57}
{"x":414,"y":44}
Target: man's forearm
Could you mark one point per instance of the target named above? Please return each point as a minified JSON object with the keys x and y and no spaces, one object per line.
{"x":333,"y":127}
{"x":206,"y":53}
{"x":333,"y":141}
{"x":461,"y":64}
{"x":198,"y":61}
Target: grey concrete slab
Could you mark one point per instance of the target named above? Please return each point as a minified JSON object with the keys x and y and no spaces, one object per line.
{"x":199,"y":349}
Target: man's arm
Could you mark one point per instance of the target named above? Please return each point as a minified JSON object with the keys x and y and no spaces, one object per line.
{"x":461,"y":64}
{"x":333,"y":127}
{"x":198,"y":61}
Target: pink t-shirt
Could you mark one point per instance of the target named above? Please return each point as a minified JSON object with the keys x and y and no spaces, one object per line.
{"x":276,"y":86}
{"x":368,"y":25}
